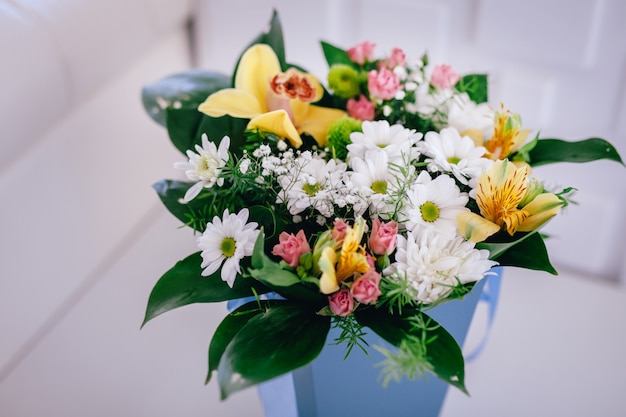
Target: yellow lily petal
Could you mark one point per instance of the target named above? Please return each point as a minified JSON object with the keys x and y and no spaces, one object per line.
{"x":474,"y":227}
{"x":236,"y":103}
{"x":317,"y":121}
{"x":277,"y":122}
{"x":540,"y":210}
{"x":258,"y":65}
{"x":328,"y":280}
{"x":475,"y":134}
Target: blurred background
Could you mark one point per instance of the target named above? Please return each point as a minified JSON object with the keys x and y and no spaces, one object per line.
{"x":84,"y":238}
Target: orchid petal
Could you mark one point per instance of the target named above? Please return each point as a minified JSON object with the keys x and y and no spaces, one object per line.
{"x":277,"y":122}
{"x":233,"y":102}
{"x":474,"y":227}
{"x":258,"y":65}
{"x":317,"y":121}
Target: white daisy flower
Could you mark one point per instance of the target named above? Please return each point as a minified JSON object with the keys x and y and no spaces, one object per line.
{"x":372,"y":178}
{"x":433,"y":265}
{"x":434,"y":205}
{"x":227,"y":240}
{"x":397,"y":141}
{"x":204,"y":166}
{"x":464,"y":114}
{"x":447,"y":151}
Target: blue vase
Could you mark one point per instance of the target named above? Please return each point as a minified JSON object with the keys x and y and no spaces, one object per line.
{"x":332,"y":386}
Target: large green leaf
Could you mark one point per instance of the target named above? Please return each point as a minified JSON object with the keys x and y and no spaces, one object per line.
{"x":476,"y":87}
{"x":335,"y":55}
{"x":184,"y":284}
{"x":443,"y":352}
{"x":283,"y":337}
{"x":529,"y":253}
{"x":548,"y":151}
{"x":193,"y":213}
{"x":184,"y":90}
{"x":227,"y":330}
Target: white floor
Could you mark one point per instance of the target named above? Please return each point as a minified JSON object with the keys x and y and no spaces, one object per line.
{"x":556,"y":348}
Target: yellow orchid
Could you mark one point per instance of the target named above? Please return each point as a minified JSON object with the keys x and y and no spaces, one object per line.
{"x":351,"y":260}
{"x":507,"y":202}
{"x":274,"y":101}
{"x":508,"y":135}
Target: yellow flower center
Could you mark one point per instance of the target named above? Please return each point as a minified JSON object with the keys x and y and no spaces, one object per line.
{"x":454,"y":160}
{"x":228,"y":247}
{"x":429,"y":211}
{"x":379,"y":187}
{"x":293,"y":84}
{"x":311,"y":189}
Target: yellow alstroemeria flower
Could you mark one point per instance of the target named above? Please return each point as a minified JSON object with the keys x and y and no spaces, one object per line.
{"x":274,"y":101}
{"x":508,"y":135}
{"x":351,"y":260}
{"x":507,"y":202}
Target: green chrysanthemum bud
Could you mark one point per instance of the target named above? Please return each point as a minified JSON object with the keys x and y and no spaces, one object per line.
{"x":343,"y":80}
{"x":339,"y":136}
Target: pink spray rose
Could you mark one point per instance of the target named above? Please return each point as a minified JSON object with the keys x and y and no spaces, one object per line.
{"x":341,"y":303}
{"x":291,"y":247}
{"x":397,"y":58}
{"x":362,"y":52}
{"x":365,"y":289}
{"x":444,"y":76}
{"x":383,"y":237}
{"x":383,"y":83}
{"x":339,"y":230}
{"x":361,"y":109}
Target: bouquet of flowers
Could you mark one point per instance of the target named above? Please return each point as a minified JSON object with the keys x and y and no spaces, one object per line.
{"x":360,"y":204}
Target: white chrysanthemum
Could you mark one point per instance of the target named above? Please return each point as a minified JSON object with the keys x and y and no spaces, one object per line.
{"x":227,"y":240}
{"x":312,"y":182}
{"x":373,"y":179}
{"x":464,"y":114}
{"x":433,"y":204}
{"x":204,"y":166}
{"x":447,"y":151}
{"x":433,"y":265}
{"x":397,"y":141}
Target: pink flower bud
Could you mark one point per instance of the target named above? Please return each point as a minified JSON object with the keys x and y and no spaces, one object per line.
{"x":383,"y":237}
{"x":396,"y":59}
{"x":383,"y":83}
{"x":365,"y":289}
{"x":291,"y":247}
{"x":361,"y":109}
{"x":362,"y":52}
{"x":341,"y":303}
{"x":444,"y":76}
{"x":339,"y":230}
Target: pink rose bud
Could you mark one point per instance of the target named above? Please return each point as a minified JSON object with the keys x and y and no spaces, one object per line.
{"x":383,"y":237}
{"x":362,"y":52}
{"x":291,"y":247}
{"x":397,"y":58}
{"x":341,"y":303}
{"x":383,"y":83}
{"x":365,"y":289}
{"x":339,"y":230}
{"x":361,"y":109}
{"x":444,"y":76}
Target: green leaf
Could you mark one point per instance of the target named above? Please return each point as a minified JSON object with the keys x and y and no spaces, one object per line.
{"x":529,"y":253}
{"x":226,"y":331}
{"x":184,"y":284}
{"x":548,"y":151}
{"x":284,"y":337}
{"x":443,"y":352}
{"x":476,"y":87}
{"x":171,"y":192}
{"x":496,"y":249}
{"x":185,"y":90}
{"x":335,"y":55}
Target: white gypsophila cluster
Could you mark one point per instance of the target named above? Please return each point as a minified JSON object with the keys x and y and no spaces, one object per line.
{"x":447,"y":151}
{"x":310,"y":181}
{"x":205,"y":166}
{"x":464,"y":114}
{"x":433,"y":264}
{"x":432,"y":205}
